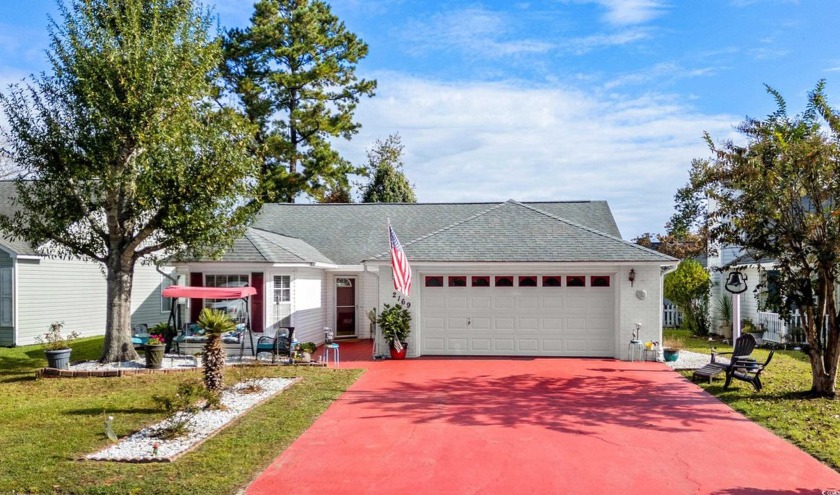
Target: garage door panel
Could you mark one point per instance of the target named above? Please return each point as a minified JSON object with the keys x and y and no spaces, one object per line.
{"x":531,"y":321}
{"x":503,"y":302}
{"x":457,"y":302}
{"x":481,"y":323}
{"x":503,"y":323}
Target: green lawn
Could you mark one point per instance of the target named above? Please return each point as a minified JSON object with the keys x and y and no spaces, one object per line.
{"x":783,"y":405}
{"x":45,"y":425}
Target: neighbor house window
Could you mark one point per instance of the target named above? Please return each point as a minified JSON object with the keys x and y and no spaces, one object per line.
{"x":6,"y":288}
{"x":552,"y":281}
{"x":528,"y":281}
{"x":575,"y":281}
{"x":599,"y":281}
{"x":504,"y":281}
{"x":283,"y":300}
{"x":457,"y":281}
{"x":481,"y":281}
{"x":434,"y":281}
{"x":236,"y":308}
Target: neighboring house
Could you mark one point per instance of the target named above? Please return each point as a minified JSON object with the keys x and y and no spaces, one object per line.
{"x":527,"y":279}
{"x":36,"y":290}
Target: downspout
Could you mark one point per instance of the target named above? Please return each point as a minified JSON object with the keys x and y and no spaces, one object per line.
{"x":16,"y":331}
{"x":375,"y":351}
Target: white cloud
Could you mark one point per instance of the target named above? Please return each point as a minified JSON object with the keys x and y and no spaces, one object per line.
{"x":629,"y":12}
{"x":495,"y":141}
{"x":666,"y":71}
{"x":586,"y":44}
{"x":484,"y":33}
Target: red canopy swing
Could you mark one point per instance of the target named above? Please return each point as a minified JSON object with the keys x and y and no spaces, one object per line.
{"x":181,"y":291}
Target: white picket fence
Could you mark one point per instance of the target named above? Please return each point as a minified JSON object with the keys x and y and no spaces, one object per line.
{"x":776,"y":329}
{"x":671,"y":316}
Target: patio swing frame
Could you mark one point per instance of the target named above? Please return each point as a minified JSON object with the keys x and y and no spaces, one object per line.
{"x":177,"y":292}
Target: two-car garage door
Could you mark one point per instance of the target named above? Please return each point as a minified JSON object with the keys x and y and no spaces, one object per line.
{"x":518,"y":321}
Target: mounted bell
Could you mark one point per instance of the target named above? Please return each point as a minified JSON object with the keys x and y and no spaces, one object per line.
{"x":736,"y":283}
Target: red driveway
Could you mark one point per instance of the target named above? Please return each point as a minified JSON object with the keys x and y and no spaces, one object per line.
{"x":540,"y":426}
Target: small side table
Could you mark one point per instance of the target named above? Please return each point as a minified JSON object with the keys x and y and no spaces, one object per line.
{"x":636,"y":347}
{"x":334,"y":349}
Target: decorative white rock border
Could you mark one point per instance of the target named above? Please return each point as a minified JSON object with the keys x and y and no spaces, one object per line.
{"x":139,"y":447}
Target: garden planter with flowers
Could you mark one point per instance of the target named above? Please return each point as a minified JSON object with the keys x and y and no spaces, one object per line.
{"x":57,"y":346}
{"x":154,"y":353}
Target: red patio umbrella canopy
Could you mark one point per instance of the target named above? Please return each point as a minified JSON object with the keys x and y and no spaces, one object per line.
{"x":209,"y":292}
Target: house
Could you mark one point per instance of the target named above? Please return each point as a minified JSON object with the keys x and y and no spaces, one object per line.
{"x":37,"y":289}
{"x":507,"y":279}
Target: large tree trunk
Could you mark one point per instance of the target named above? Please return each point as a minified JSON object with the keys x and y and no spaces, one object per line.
{"x":118,"y":346}
{"x":823,"y":357}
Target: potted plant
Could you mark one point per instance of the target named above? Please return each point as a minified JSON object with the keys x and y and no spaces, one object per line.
{"x":395,"y":322}
{"x":304,"y":352}
{"x":671,"y":349}
{"x":57,"y":346}
{"x":747,"y":326}
{"x":154,"y":353}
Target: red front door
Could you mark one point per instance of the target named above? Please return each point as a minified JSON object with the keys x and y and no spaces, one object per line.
{"x":345,"y":307}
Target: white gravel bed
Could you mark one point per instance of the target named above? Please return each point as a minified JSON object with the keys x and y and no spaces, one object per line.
{"x":688,"y":360}
{"x":169,"y":361}
{"x":139,"y":447}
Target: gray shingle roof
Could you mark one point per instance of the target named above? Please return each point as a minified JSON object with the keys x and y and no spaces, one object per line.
{"x":262,"y":246}
{"x":351,"y":233}
{"x":7,"y":192}
{"x":518,"y":232}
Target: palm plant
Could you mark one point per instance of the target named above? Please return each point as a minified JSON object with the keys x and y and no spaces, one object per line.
{"x":214,"y":322}
{"x":723,"y":308}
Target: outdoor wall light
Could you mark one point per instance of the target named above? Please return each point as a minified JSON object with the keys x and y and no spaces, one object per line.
{"x":632,"y":276}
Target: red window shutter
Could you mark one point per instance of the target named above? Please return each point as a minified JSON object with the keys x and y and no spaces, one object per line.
{"x":257,"y":303}
{"x":196,"y":305}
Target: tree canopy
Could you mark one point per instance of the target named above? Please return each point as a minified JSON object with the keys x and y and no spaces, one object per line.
{"x":293,"y":72}
{"x":125,"y":156}
{"x":777,"y":195}
{"x":388,"y":183}
{"x":688,"y":288}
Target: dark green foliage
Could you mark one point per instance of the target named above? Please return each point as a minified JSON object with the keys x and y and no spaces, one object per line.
{"x":388,"y":183}
{"x":778,"y":197}
{"x":129,"y":157}
{"x":395,"y":322}
{"x":293,"y":70}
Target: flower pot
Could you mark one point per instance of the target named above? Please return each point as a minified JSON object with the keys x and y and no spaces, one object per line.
{"x":395,"y":354}
{"x":671,"y":355}
{"x":59,"y":358}
{"x":154,"y":356}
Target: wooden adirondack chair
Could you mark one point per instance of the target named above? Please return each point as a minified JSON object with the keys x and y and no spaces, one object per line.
{"x":744,"y":346}
{"x":747,"y":370}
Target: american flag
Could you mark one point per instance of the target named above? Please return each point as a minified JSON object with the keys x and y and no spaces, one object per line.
{"x":399,"y":264}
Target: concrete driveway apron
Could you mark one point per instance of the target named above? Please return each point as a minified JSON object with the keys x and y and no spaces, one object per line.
{"x":553,"y":425}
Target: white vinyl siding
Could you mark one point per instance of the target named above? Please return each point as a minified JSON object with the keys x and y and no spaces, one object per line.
{"x":146,"y":300}
{"x":309,"y":311}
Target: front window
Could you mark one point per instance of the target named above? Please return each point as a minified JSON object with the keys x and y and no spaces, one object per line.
{"x":165,"y":302}
{"x":236,"y":308}
{"x":283,"y":300}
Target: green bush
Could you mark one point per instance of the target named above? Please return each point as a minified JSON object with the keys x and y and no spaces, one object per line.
{"x":688,"y":288}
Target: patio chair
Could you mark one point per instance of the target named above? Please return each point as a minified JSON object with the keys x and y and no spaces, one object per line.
{"x":742,"y":350}
{"x":747,"y":370}
{"x":281,"y":343}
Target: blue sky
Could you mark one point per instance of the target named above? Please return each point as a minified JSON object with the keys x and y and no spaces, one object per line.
{"x":552,"y":100}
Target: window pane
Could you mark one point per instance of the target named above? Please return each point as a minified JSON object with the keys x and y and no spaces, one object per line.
{"x":457,"y":281}
{"x":599,"y":281}
{"x":528,"y":281}
{"x":575,"y":281}
{"x":552,"y":281}
{"x":481,"y":281}
{"x":504,"y":281}
{"x":434,"y":281}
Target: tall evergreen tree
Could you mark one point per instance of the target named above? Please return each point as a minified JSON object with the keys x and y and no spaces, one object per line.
{"x":128,"y":157}
{"x":294,"y":72}
{"x":388,"y":183}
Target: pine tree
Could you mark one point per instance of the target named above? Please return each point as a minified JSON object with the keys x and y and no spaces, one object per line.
{"x":293,"y":71}
{"x":388,"y":183}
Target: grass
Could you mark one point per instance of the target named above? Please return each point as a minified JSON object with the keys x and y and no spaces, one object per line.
{"x":45,"y":425}
{"x":783,"y":405}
